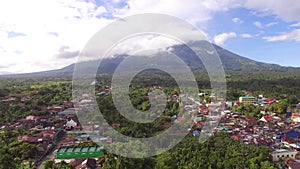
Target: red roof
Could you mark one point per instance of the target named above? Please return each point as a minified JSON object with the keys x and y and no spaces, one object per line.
{"x":87,"y":127}
{"x":26,"y":121}
{"x":77,"y":127}
{"x":47,"y":132}
{"x":235,"y":137}
{"x":180,"y":118}
{"x":228,"y":126}
{"x":115,"y":125}
{"x":294,"y":115}
{"x":250,"y":120}
{"x":294,"y":165}
{"x":268,"y":118}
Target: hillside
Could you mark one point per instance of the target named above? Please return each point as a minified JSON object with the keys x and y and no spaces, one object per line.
{"x":231,"y":62}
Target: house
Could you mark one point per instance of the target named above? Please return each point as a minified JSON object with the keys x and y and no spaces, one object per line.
{"x":175,"y":98}
{"x":196,"y":133}
{"x":295,"y":117}
{"x":22,"y":105}
{"x":26,"y":124}
{"x":68,"y":112}
{"x":10,"y":99}
{"x":235,"y":137}
{"x":25,"y":98}
{"x":269,"y":119}
{"x":283,"y":153}
{"x":101,"y":94}
{"x":89,"y":163}
{"x":49,"y":134}
{"x":115,"y":125}
{"x":294,"y":165}
{"x":68,"y":104}
{"x":30,"y":117}
{"x":250,"y":121}
{"x":87,"y":128}
{"x":291,"y":134}
{"x":35,"y":139}
{"x":294,"y":146}
{"x":68,"y":141}
{"x":247,"y":99}
{"x":58,"y":108}
{"x":54,"y":109}
{"x":71,"y":123}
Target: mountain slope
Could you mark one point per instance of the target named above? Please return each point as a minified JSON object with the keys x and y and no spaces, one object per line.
{"x":230,"y":61}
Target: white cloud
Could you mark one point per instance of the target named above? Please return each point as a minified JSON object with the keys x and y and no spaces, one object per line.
{"x":194,"y":11}
{"x":246,"y":35}
{"x":100,"y":10}
{"x":288,"y":36}
{"x":137,"y":44}
{"x":221,"y":38}
{"x":47,"y":26}
{"x":50,"y":25}
{"x":237,"y":20}
{"x":295,"y":25}
{"x":271,"y":24}
{"x":262,"y":26}
{"x":258,"y":24}
{"x":288,"y":10}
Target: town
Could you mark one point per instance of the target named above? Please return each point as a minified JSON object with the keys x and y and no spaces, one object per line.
{"x":59,"y":136}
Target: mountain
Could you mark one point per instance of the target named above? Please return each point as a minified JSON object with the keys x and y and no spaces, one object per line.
{"x":231,"y":62}
{"x":234,"y":62}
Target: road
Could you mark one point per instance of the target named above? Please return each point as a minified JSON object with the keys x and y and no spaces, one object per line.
{"x":51,"y":154}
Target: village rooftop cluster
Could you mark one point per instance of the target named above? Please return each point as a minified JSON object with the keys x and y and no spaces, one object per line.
{"x":59,"y":134}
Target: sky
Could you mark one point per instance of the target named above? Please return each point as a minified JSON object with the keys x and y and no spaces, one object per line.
{"x":42,"y":35}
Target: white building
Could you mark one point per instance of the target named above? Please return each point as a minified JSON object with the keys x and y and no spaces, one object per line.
{"x":71,"y":123}
{"x":282,"y":154}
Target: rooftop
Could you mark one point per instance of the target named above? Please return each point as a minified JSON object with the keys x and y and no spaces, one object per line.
{"x":282,"y":150}
{"x":248,"y":97}
{"x":81,"y":149}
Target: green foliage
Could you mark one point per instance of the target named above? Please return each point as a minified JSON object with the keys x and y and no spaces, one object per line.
{"x":50,"y":164}
{"x":40,"y":93}
{"x":249,"y":110}
{"x":219,"y":151}
{"x":13,"y":152}
{"x":278,"y":107}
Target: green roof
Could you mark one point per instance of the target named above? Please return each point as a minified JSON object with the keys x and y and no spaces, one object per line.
{"x":248,"y":97}
{"x":79,"y":152}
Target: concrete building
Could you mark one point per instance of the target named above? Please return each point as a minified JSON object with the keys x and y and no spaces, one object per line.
{"x":247,"y":99}
{"x":282,"y":154}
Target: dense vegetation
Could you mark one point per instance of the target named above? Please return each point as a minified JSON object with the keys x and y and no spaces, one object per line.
{"x":15,"y":154}
{"x":40,"y":95}
{"x":50,"y":164}
{"x":218,"y":152}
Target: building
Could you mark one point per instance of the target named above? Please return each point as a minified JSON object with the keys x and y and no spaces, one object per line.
{"x":283,"y":153}
{"x":294,"y":165}
{"x":71,"y":123}
{"x":247,"y":99}
{"x":79,"y":152}
{"x":68,"y":112}
{"x":295,"y":117}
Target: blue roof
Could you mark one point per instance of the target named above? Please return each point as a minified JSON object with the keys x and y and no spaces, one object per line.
{"x":291,"y":134}
{"x":196,"y":133}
